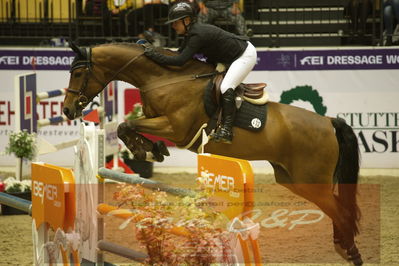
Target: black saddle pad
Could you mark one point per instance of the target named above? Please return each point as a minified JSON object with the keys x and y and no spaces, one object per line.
{"x":249,"y":116}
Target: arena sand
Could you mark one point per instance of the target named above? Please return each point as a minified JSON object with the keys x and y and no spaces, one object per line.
{"x":282,"y":242}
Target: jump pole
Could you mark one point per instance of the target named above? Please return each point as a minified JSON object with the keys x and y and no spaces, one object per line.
{"x":147,"y":183}
{"x":50,"y":94}
{"x":62,"y":118}
{"x":15,"y":202}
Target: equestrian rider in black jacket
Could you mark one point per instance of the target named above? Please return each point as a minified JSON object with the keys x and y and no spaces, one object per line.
{"x":218,"y":46}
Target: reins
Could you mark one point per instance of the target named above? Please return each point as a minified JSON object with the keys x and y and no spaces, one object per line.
{"x":123,"y":68}
{"x":161,"y":83}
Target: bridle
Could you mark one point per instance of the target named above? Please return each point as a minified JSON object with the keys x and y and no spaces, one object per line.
{"x":87,"y":63}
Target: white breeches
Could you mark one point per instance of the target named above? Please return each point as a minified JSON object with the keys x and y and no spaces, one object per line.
{"x":239,"y":69}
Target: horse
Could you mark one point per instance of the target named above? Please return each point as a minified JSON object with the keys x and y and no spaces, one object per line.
{"x":309,"y":153}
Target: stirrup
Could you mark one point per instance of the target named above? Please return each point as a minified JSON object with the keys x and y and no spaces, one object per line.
{"x":222,"y":135}
{"x":214,"y":136}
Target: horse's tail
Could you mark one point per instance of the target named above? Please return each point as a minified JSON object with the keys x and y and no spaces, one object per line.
{"x":347,"y":170}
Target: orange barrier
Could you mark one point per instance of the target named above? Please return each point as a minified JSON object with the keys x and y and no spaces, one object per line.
{"x":53,"y":210}
{"x":231,"y":181}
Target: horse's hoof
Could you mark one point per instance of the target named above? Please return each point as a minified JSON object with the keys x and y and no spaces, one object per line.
{"x":354,"y":256}
{"x":158,"y":157}
{"x":162,"y":148}
{"x":341,"y":251}
{"x":358,"y":262}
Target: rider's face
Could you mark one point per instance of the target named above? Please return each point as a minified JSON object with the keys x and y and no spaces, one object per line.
{"x":178,"y":26}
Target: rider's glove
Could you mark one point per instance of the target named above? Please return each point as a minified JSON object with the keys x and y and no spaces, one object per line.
{"x":148,"y":51}
{"x":148,"y":48}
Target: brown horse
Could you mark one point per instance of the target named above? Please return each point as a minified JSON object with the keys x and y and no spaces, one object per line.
{"x":306,"y":150}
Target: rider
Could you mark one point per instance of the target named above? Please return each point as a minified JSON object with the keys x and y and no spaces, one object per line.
{"x":218,"y":46}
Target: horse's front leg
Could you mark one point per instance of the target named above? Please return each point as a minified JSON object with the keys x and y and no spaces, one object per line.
{"x":141,"y":147}
{"x":157,"y":126}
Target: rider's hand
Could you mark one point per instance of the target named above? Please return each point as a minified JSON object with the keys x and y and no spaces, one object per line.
{"x":146,"y":44}
{"x":148,"y":50}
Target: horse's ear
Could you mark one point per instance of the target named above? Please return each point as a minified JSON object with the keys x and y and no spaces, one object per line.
{"x":79,"y":51}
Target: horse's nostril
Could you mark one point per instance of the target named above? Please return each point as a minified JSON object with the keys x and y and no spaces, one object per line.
{"x":66,"y":111}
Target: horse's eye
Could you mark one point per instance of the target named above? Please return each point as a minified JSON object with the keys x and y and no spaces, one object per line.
{"x":77,"y":75}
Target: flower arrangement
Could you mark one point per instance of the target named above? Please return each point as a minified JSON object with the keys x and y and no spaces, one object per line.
{"x":136,"y":113}
{"x":22,"y":145}
{"x":12,"y":185}
{"x":157,"y":215}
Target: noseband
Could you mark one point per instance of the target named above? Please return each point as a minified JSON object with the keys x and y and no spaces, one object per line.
{"x":87,"y":64}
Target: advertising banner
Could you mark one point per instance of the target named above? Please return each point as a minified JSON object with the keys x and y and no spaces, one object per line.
{"x":358,"y":85}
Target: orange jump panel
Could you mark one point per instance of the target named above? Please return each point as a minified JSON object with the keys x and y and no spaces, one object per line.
{"x":53,"y":196}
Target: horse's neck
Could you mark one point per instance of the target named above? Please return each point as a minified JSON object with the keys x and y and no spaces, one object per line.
{"x":186,"y":96}
{"x":141,"y":72}
{"x":112,"y":60}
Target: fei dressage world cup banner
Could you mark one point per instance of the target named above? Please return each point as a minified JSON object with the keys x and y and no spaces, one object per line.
{"x":358,"y":85}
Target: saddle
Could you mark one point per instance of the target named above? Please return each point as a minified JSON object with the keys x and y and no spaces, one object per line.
{"x":251,"y":101}
{"x":252,"y":92}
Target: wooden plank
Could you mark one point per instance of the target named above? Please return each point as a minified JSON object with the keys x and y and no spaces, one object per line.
{"x":302,"y":3}
{"x":5,"y":10}
{"x":60,"y":11}
{"x":29,"y":11}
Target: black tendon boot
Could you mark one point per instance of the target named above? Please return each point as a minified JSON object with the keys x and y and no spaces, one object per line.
{"x":224,"y":133}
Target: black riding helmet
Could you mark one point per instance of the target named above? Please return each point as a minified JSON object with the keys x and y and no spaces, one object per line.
{"x":179,"y":11}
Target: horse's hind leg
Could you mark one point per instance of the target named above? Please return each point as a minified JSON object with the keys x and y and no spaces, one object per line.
{"x":337,"y":236}
{"x":322,"y":195}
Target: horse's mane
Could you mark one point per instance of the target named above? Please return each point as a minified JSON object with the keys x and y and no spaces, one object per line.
{"x":193,"y":63}
{"x":127,"y":44}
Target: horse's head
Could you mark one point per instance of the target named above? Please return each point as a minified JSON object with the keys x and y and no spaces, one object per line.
{"x":83,"y":84}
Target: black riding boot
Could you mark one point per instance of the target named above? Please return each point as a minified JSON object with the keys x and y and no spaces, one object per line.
{"x":224,"y":133}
